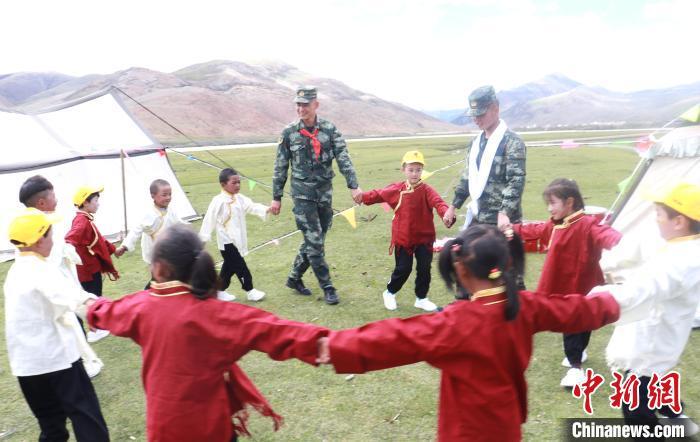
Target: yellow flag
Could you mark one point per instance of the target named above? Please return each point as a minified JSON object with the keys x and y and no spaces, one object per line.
{"x":692,"y":114}
{"x":350,"y":216}
{"x":425,"y":175}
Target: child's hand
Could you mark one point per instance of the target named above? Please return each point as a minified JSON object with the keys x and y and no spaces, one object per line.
{"x":449,"y":222}
{"x":503,"y":222}
{"x":324,"y":352}
{"x":356,"y":195}
{"x":120,"y":251}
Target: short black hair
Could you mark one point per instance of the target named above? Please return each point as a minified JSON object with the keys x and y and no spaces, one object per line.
{"x":89,"y":198}
{"x":564,"y":188}
{"x":157,"y":184}
{"x":32,"y":189}
{"x":226,"y":174}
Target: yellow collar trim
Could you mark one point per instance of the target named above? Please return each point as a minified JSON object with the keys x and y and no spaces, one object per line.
{"x":169,"y":285}
{"x":89,"y":215}
{"x":30,"y":253}
{"x":489,"y":292}
{"x":685,"y":238}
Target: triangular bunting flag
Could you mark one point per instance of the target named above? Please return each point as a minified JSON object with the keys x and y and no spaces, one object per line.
{"x":622,"y":185}
{"x":692,"y":114}
{"x":569,"y":144}
{"x":425,"y":175}
{"x":350,"y":216}
{"x":251,"y":184}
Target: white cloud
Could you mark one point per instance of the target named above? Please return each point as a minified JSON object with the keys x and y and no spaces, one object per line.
{"x":426,"y":54}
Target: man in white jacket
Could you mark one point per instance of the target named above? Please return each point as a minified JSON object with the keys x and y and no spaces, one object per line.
{"x":658,"y":300}
{"x":226,"y":214}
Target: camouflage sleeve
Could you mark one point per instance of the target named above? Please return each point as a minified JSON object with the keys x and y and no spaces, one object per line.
{"x":515,"y":176}
{"x":462,"y":189}
{"x":342,"y":157}
{"x":279,"y":177}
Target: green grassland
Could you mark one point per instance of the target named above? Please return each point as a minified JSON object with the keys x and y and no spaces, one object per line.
{"x":397,"y":404}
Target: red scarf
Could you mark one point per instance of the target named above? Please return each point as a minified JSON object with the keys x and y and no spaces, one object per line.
{"x":314,"y":141}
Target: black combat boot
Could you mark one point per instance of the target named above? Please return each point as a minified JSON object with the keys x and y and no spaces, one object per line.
{"x":330,"y":296}
{"x":298,"y":285}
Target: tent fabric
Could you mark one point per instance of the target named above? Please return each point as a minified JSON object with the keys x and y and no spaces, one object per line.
{"x":83,"y":144}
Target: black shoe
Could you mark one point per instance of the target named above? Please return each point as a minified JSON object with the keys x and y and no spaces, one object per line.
{"x":330,"y":296}
{"x":299,"y":286}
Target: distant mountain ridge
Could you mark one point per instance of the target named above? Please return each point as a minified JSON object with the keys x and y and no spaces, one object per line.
{"x":223,"y":101}
{"x":556,"y":101}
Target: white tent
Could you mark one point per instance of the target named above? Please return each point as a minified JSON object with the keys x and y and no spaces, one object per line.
{"x":92,"y":141}
{"x":674,"y":158}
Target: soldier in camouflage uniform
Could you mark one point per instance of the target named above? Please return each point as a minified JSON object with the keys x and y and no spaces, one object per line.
{"x":500,"y":200}
{"x":310,"y":144}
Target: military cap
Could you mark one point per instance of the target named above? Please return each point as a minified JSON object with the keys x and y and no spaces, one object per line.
{"x":305,"y":94}
{"x":480,"y":99}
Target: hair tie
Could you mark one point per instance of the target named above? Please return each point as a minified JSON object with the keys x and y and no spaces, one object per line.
{"x":494,"y":273}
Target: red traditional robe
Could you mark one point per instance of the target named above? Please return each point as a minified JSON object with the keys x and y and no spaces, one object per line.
{"x":94,"y":251}
{"x":413,"y":212}
{"x":483,"y":357}
{"x":573,"y":252}
{"x":189,"y":349}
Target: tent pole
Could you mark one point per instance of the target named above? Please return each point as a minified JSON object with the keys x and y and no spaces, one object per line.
{"x":121,"y":155}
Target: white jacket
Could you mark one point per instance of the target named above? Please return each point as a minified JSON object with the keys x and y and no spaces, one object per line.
{"x":40,"y":326}
{"x":154,"y":221}
{"x":657,"y":303}
{"x":226,"y":213}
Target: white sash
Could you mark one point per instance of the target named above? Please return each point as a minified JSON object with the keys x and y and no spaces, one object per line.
{"x":478,"y":176}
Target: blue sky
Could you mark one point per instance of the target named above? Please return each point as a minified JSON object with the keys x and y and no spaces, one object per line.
{"x":427,"y":54}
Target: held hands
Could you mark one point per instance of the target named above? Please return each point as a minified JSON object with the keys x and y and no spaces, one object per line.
{"x":356,"y":195}
{"x":449,"y":217}
{"x":120,"y":251}
{"x":324,"y":352}
{"x":275,"y":207}
{"x":503,"y":222}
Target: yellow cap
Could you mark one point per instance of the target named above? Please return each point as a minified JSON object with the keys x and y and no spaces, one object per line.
{"x":83,"y":192}
{"x":30,"y":225}
{"x":683,"y":198}
{"x":413,"y":156}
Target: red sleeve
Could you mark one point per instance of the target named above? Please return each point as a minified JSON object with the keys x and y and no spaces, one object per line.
{"x":604,"y":236}
{"x":259,"y":330}
{"x":116,"y":316}
{"x":435,"y":201}
{"x":574,"y":313}
{"x":394,"y":342}
{"x":385,"y":195}
{"x":80,"y":233}
{"x":110,"y":247}
{"x":536,"y":230}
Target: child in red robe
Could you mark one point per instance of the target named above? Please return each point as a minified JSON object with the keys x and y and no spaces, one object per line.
{"x":575,"y":242}
{"x":412,"y":229}
{"x":190,"y":342}
{"x":94,"y":251}
{"x":482,"y":345}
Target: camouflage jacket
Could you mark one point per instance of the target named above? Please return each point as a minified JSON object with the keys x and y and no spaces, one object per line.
{"x":311,"y":179}
{"x":505,"y":185}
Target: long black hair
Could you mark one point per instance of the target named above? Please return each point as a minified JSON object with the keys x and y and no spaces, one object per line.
{"x":564,"y":188}
{"x":183,"y":254}
{"x":483,"y":248}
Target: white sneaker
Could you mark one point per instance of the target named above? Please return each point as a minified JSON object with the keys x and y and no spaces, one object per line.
{"x":94,"y":336}
{"x":425,"y":304}
{"x":224,"y":296}
{"x":690,"y":427}
{"x":565,"y":362}
{"x":93,"y":368}
{"x":389,"y":300}
{"x":255,"y":295}
{"x":573,"y":377}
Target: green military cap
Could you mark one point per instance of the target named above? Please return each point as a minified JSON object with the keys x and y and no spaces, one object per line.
{"x":480,"y":99}
{"x":305,"y":94}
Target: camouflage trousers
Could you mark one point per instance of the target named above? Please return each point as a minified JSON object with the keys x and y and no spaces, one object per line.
{"x":314,"y":219}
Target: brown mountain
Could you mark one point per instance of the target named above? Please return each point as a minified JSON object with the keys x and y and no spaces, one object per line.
{"x":232,"y":102}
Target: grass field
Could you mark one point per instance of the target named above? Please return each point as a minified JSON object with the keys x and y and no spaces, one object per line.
{"x":397,"y":404}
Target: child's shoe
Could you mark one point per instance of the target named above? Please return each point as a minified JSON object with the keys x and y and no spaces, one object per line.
{"x":389,"y":300}
{"x":573,"y":377}
{"x":94,"y":336}
{"x":425,"y":304}
{"x":565,"y":362}
{"x":255,"y":295}
{"x":224,"y":296}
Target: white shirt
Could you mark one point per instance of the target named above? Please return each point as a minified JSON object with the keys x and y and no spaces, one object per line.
{"x":154,"y":221}
{"x":40,"y":335}
{"x":227,"y":212}
{"x":63,"y":255}
{"x":657,"y":304}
